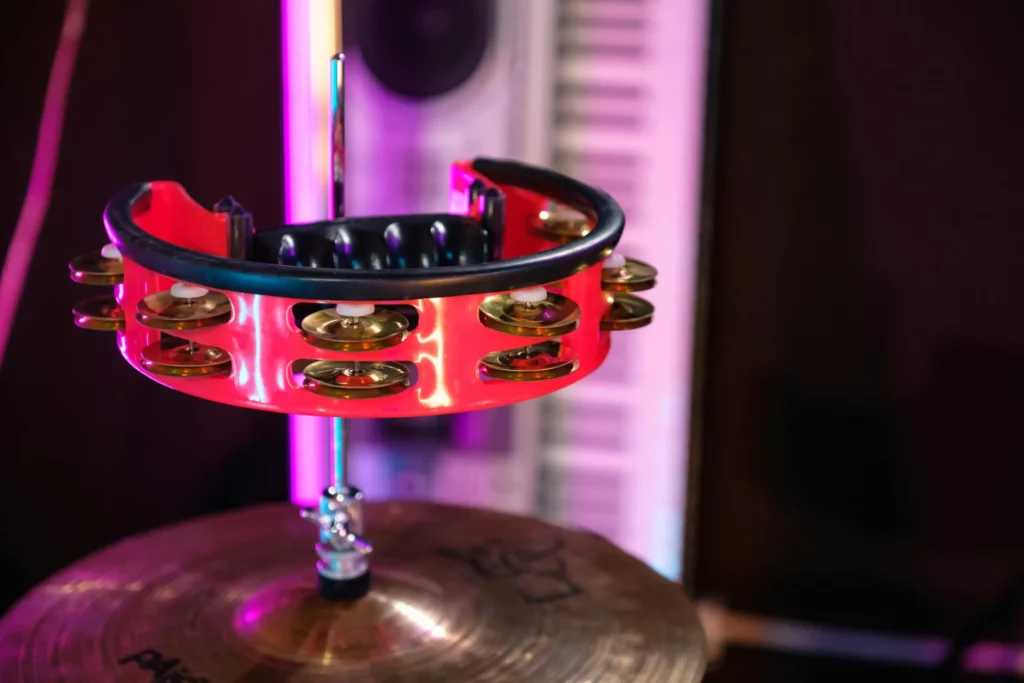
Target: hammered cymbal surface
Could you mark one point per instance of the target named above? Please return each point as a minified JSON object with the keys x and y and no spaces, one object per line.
{"x":458,"y":595}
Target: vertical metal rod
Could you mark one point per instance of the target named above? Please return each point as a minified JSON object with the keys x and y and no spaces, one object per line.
{"x":337,"y":116}
{"x":339,"y":454}
{"x":191,"y":344}
{"x":339,"y":440}
{"x":338,"y":150}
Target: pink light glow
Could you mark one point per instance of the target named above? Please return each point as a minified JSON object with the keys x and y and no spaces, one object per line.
{"x":310,"y":35}
{"x":44,"y":165}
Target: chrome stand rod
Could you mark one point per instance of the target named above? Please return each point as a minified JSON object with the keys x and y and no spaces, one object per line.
{"x":344,"y":566}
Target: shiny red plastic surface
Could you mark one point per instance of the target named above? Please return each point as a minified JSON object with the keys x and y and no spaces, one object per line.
{"x":446,"y":345}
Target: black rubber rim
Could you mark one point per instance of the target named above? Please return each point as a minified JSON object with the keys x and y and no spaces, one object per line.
{"x":330,"y":284}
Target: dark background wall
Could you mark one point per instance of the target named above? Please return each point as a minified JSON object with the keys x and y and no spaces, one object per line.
{"x":861,"y":425}
{"x":89,"y":450}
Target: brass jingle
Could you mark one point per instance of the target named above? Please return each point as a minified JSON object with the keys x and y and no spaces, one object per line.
{"x":328,"y":329}
{"x":101,"y":313}
{"x":93,"y":268}
{"x":627,"y":312}
{"x":634,"y":276}
{"x":177,"y":358}
{"x":164,"y":311}
{"x":559,"y":224}
{"x":554,"y":316}
{"x":545,"y":360}
{"x":355,"y":379}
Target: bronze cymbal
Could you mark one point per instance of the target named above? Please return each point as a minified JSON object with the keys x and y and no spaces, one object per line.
{"x":180,"y":358}
{"x":458,"y":595}
{"x":627,"y":312}
{"x":100,"y":312}
{"x":545,"y":360}
{"x":380,"y":329}
{"x":355,"y":379}
{"x":100,"y":267}
{"x":552,"y":316}
{"x":559,"y":224}
{"x":632,"y":276}
{"x":165,"y":311}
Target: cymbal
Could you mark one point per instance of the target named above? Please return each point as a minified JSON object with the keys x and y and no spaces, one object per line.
{"x":546,"y":360}
{"x":100,"y":312}
{"x":380,"y":329}
{"x":179,"y":358}
{"x":627,"y":312}
{"x":355,"y":379}
{"x":552,"y":316}
{"x":632,"y":276}
{"x":99,"y":267}
{"x":165,"y":311}
{"x":458,"y":595}
{"x":560,"y":224}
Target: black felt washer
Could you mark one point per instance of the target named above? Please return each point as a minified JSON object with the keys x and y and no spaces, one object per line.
{"x":344,"y":590}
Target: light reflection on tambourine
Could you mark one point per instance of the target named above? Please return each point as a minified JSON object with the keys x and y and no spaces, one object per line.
{"x":451,"y":296}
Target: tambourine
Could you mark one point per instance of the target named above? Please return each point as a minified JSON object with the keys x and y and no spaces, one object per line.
{"x":493,"y":303}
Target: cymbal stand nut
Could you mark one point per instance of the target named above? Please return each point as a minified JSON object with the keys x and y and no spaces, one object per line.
{"x":344,"y":553}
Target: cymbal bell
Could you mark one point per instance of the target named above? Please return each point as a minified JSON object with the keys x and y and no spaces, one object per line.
{"x":380,"y":329}
{"x":355,"y":379}
{"x":101,"y":313}
{"x":626,"y":312}
{"x":100,"y":267}
{"x":166,"y":311}
{"x":552,"y":316}
{"x":559,"y":224}
{"x":631,"y":276}
{"x":458,"y":596}
{"x":180,"y":358}
{"x":545,"y":360}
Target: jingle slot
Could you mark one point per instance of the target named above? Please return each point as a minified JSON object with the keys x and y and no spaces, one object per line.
{"x":101,"y":313}
{"x":354,"y":380}
{"x":537,"y":362}
{"x":183,"y":307}
{"x":175,"y":357}
{"x":626,"y":312}
{"x":533,"y":312}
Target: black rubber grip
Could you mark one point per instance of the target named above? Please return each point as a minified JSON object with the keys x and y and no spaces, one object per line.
{"x":340,"y":284}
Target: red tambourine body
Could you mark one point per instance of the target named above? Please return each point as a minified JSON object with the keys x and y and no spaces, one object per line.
{"x":445,"y":347}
